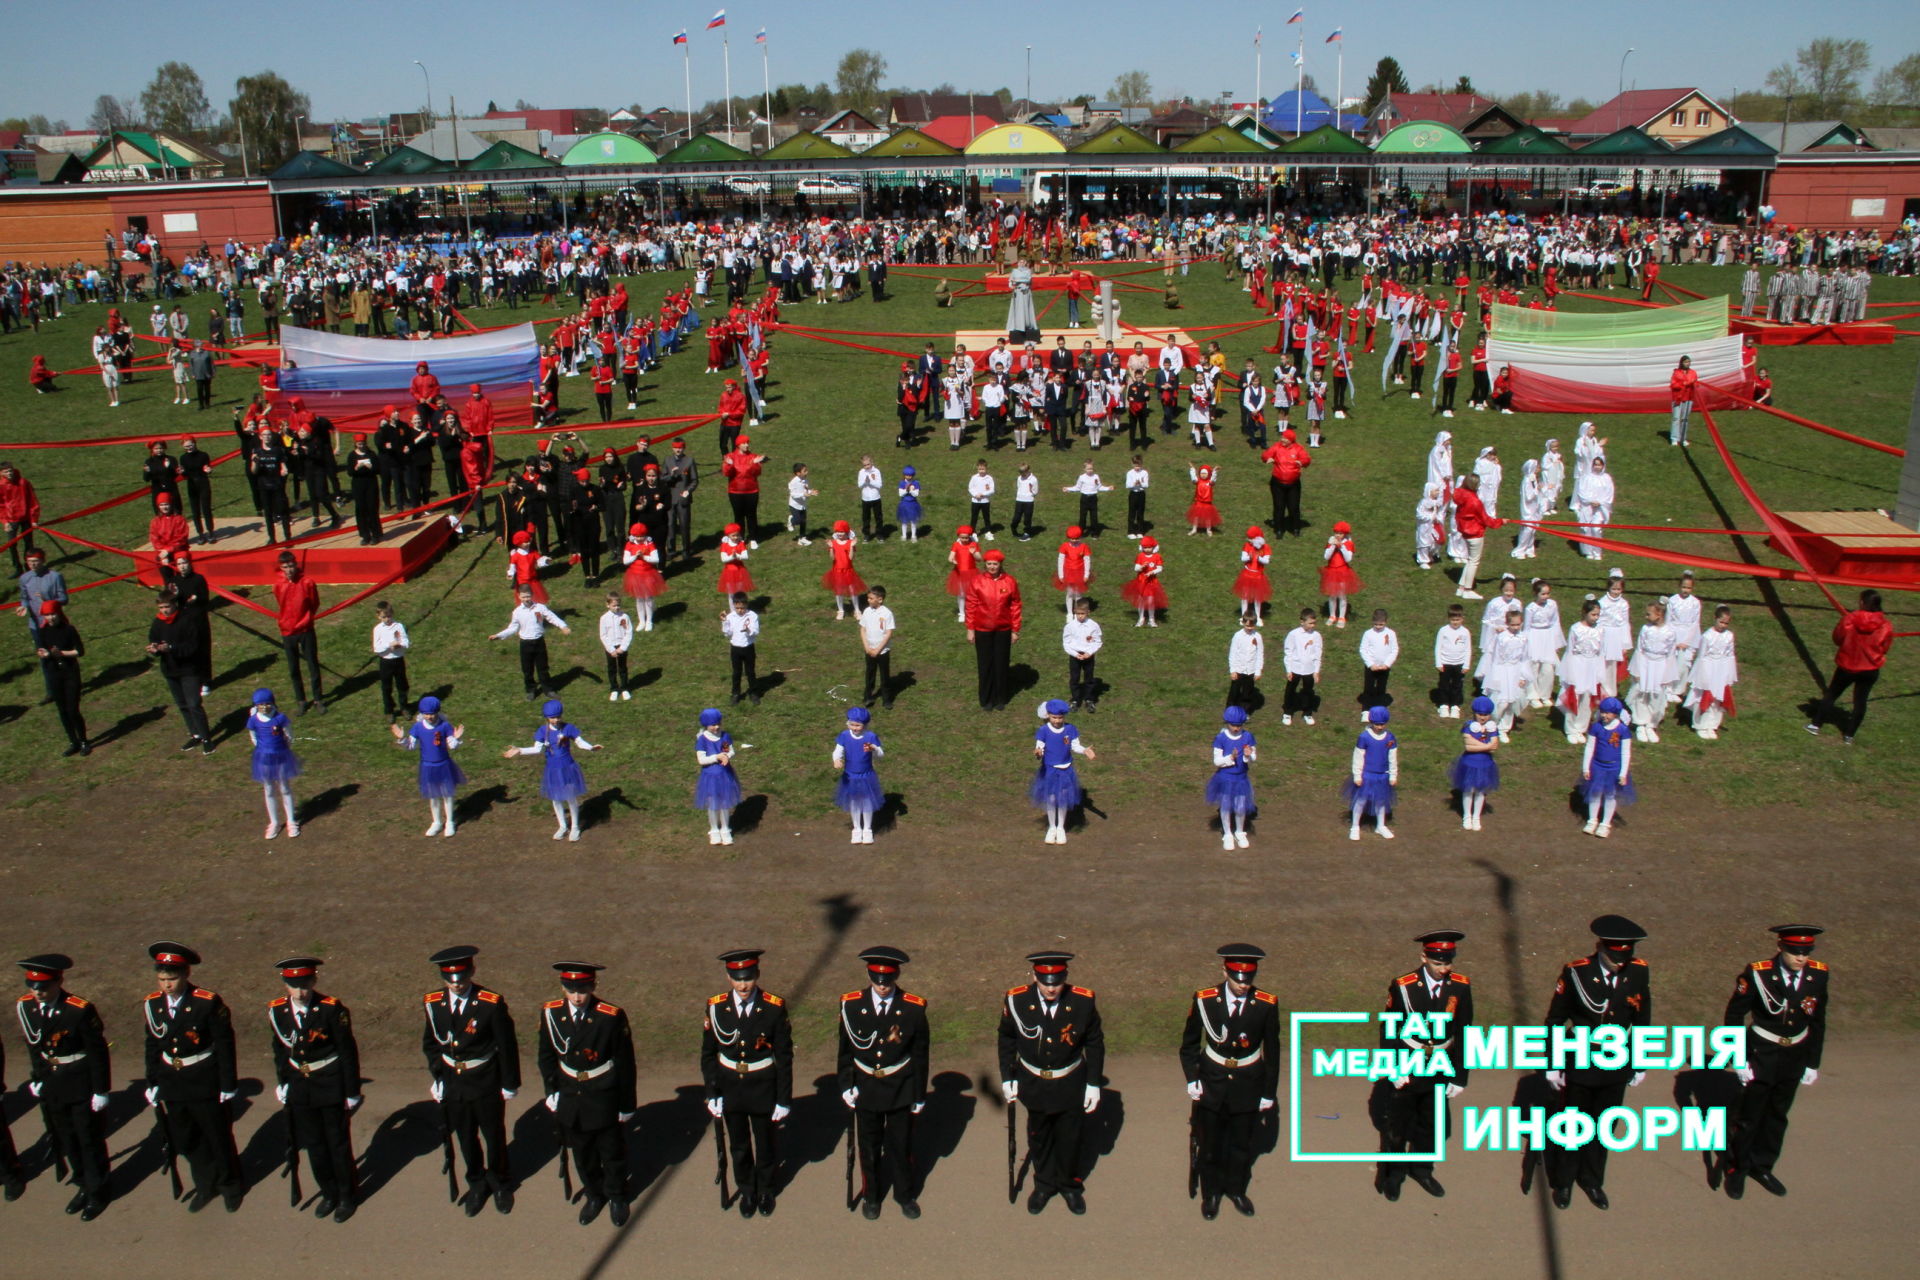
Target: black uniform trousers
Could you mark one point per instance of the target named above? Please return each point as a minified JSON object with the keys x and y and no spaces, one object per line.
{"x":879,"y":679}
{"x":601,"y":1157}
{"x":366,"y":508}
{"x":746,"y":513}
{"x":79,"y":1140}
{"x":273,"y":508}
{"x":1404,"y":1118}
{"x":1586,"y":1165}
{"x":742,"y":658}
{"x":395,"y":694}
{"x":533,"y":666}
{"x":185,"y":689}
{"x":680,"y":529}
{"x":300,"y":647}
{"x":1226,"y":1150}
{"x":1300,"y":698}
{"x":750,"y":1152}
{"x":1760,"y":1119}
{"x":992,"y":655}
{"x":200,"y":503}
{"x":1080,"y":686}
{"x":322,"y":1133}
{"x":1136,"y":511}
{"x":1053,"y":1143}
{"x":1453,"y":684}
{"x":885,"y":1139}
{"x":1243,"y":691}
{"x":202,"y":1135}
{"x":474,"y":1122}
{"x":63,"y":682}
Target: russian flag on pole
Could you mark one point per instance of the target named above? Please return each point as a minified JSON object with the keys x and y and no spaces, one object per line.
{"x":1299,"y":15}
{"x":1334,"y":38}
{"x":760,"y":36}
{"x":680,"y":37}
{"x":717,"y":20}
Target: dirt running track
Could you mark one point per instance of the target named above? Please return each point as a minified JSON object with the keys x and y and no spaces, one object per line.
{"x":1847,"y":1167}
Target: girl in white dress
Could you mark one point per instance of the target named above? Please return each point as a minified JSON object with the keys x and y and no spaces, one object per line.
{"x":1616,"y":630}
{"x":1580,"y":671}
{"x":1593,"y":503}
{"x":1654,"y":671}
{"x":1683,"y":616}
{"x":1429,"y":522}
{"x":956,"y":397}
{"x":1493,"y":620}
{"x":1533,"y":506}
{"x":1586,"y":448}
{"x":1545,"y":640}
{"x":1553,"y":474}
{"x":1715,"y":671}
{"x":1508,"y":672}
{"x":1487,"y":467}
{"x":1440,"y":459}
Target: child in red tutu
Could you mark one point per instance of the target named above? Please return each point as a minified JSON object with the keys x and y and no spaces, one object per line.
{"x":1252,"y":587}
{"x":841,"y":578}
{"x":964,"y":556}
{"x":733,"y":562}
{"x":1337,"y":578}
{"x":1202,"y":514}
{"x":643,"y":579}
{"x":1143,"y":591}
{"x":524,"y":563}
{"x":1073,"y":566}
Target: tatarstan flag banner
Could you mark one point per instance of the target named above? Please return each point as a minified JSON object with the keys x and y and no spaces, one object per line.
{"x":1586,"y":362}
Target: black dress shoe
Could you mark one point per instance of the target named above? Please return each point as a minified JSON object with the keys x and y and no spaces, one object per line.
{"x":909,"y":1209}
{"x":1035,"y":1202}
{"x":1736,"y":1185}
{"x":232,"y":1199}
{"x":1209,"y":1207}
{"x":1242,"y":1205}
{"x":1771,"y":1183}
{"x":15,"y":1187}
{"x":73,"y":750}
{"x":344,"y":1212}
{"x":746,"y":1205}
{"x":1076,"y":1203}
{"x":1562,"y":1197}
{"x":79,"y":1202}
{"x":323,"y":1208}
{"x":1387,"y":1185}
{"x":870,"y":1209}
{"x":1429,"y":1184}
{"x":474,"y":1201}
{"x":617,"y":1212}
{"x":1598,"y":1195}
{"x":94,"y":1209}
{"x":1715,"y":1171}
{"x":766,"y":1206}
{"x":503,"y":1199}
{"x":199,"y":1200}
{"x":591,"y":1209}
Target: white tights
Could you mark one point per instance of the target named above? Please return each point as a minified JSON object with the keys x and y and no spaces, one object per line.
{"x":283,"y":792}
{"x":566,"y":814}
{"x":1379,"y":816}
{"x":1471,"y":805}
{"x":1337,"y":607}
{"x":862,"y":819}
{"x":1057,"y":818}
{"x":1601,"y":811}
{"x":643,"y":613}
{"x":442,"y":812}
{"x":1503,"y":715}
{"x":1231,"y":822}
{"x":719,"y":820}
{"x":846,"y":604}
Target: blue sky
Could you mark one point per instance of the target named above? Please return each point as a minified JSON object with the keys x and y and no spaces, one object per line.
{"x":355,"y":58}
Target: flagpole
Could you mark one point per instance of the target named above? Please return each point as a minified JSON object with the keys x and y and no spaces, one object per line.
{"x":1259,"y":103}
{"x":766,"y":93}
{"x":1299,"y":80}
{"x":726,"y":62}
{"x":1339,"y":85}
{"x":686,"y":65}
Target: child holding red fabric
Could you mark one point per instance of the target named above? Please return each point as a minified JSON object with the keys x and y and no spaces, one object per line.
{"x":1337,"y":578}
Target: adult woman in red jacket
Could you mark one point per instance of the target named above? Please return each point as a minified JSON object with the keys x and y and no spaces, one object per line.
{"x":1864,"y":636}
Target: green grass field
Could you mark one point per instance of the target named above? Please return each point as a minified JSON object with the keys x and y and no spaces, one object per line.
{"x":951,"y":764}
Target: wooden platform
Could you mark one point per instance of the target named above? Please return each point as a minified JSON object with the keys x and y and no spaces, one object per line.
{"x":981,"y":341}
{"x":1863,"y":544}
{"x":238,"y":553}
{"x":1857,"y":333}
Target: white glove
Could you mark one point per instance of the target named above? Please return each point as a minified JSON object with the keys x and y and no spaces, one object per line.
{"x":850,"y":1096}
{"x":781,"y":1113}
{"x":1455,"y":1090}
{"x":1092,"y":1099}
{"x":1195,"y":1089}
{"x":1398,"y":1082}
{"x":280,"y":1094}
{"x":227,"y":1097}
{"x":918,"y":1107}
{"x":553,"y":1102}
{"x":33,"y":1087}
{"x":99,"y":1102}
{"x":1743,"y":1074}
{"x":1810,"y":1076}
{"x":353,"y":1104}
{"x":1639,"y":1077}
{"x":1557,"y":1080}
{"x":1009,"y":1089}
{"x":625,"y":1116}
{"x":506,"y":1095}
{"x":715,"y":1106}
{"x":153,"y":1095}
{"x":1266,"y":1104}
{"x":438,"y":1090}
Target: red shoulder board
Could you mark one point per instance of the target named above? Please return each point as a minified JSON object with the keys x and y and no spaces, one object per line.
{"x":1266,"y":997}
{"x":1407,"y":979}
{"x":78,"y":1003}
{"x":1575,"y":964}
{"x":1082,"y":991}
{"x":1462,"y":979}
{"x":773,"y":999}
{"x":275,"y":1004}
{"x":553,"y":1004}
{"x":719,"y":999}
{"x":610,"y":1010}
{"x":328,"y":1000}
{"x":204,"y":994}
{"x":851,"y":995}
{"x":488,"y":997}
{"x":1637,"y":960}
{"x":153,"y":995}
{"x":1012,"y":991}
{"x":434,"y":997}
{"x":911,"y":998}
{"x":1816,"y":964}
{"x":1206,"y":993}
{"x":23,"y":999}
{"x":1761,"y":964}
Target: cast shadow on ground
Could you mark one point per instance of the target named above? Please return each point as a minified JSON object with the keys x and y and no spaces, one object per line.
{"x":816,"y":1129}
{"x":403,"y":1137}
{"x":950,"y":1109}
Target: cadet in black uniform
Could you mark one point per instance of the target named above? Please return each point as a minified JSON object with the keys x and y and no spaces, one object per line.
{"x":1402,"y":1108}
{"x":316,"y":1064}
{"x":191,"y":1076}
{"x":1783,"y":1002}
{"x":474,"y":1057}
{"x":1052,"y":1053}
{"x":70,"y":1075}
{"x":1609,"y":988}
{"x":746,"y":1062}
{"x":884,"y":1050}
{"x":1230,"y":1053}
{"x":586,"y":1067}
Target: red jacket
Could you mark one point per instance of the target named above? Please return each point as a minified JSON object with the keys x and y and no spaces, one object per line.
{"x":733,"y":406}
{"x":299,"y":601}
{"x":1469,"y":514}
{"x":19,"y":504}
{"x":168,"y":533}
{"x":423,"y":388}
{"x":742,"y":470}
{"x":993,"y":604}
{"x":476,"y":415}
{"x":1682,"y":385}
{"x":1864,"y":638}
{"x":1287,"y":461}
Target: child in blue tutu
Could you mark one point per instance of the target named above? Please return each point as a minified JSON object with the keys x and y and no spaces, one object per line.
{"x":1230,"y":790}
{"x":1605,"y":783}
{"x":855,"y":748}
{"x":1475,"y":773}
{"x":274,"y":764}
{"x":561,"y":781}
{"x":909,"y":513}
{"x":436,"y":741}
{"x":1056,"y":783}
{"x":718,"y":789}
{"x":1376,"y":771}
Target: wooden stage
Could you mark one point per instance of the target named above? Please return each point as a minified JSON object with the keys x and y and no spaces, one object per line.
{"x":1855,"y":333}
{"x":1858,"y":544}
{"x":239,"y":554}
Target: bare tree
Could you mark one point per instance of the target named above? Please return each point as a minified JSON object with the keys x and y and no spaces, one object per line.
{"x":1824,"y":77}
{"x":175,"y":100}
{"x":111,"y":113}
{"x":858,"y":79}
{"x":1132,"y":88}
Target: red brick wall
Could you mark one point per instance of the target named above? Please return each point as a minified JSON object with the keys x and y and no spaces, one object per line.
{"x":1814,"y":194}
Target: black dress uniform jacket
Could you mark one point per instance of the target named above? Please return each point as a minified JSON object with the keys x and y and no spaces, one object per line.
{"x":316,"y":1056}
{"x":66,"y":1048}
{"x":886,"y":1058}
{"x":1235,"y":1058}
{"x":588,"y":1061}
{"x":1410,"y":993}
{"x":475,"y":1055}
{"x":190,"y":1048}
{"x":747,"y":1062}
{"x":1585,"y":996}
{"x":1053,"y":1056}
{"x":1786,"y":1020}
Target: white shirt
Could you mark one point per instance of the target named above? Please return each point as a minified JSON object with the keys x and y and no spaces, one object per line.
{"x":869,"y":481}
{"x":1247,"y":654}
{"x":1084,"y":483}
{"x":1301,"y":652}
{"x":876,"y":627}
{"x":1079,"y":637}
{"x":1452,"y":646}
{"x":530,"y":622}
{"x":1172,"y":358}
{"x":1026,"y":487}
{"x":797,"y":493}
{"x":1137,"y":479}
{"x":1379,"y":647}
{"x":390,"y":640}
{"x":616,"y":631}
{"x":979,"y":487}
{"x":740,"y":629}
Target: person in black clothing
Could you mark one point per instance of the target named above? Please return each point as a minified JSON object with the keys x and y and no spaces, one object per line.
{"x":162,"y":475}
{"x":191,"y":1075}
{"x":473,"y":1056}
{"x":877,"y":277}
{"x":419,"y":455}
{"x":882,"y":1076}
{"x":196,"y":477}
{"x":583,"y":521}
{"x":269,"y":468}
{"x":650,"y":505}
{"x":72,"y":1070}
{"x":447,"y":432}
{"x":316,"y":467}
{"x":639,"y":460}
{"x":190,"y":591}
{"x":174,"y":642}
{"x":59,"y":648}
{"x":363,"y":474}
{"x":746,"y":1063}
{"x":613,"y":500}
{"x":316,"y":1064}
{"x":390,"y":449}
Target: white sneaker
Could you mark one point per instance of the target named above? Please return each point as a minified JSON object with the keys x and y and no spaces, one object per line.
{"x":1286,"y":719}
{"x":1385,"y":833}
{"x":614,"y":696}
{"x":1591,"y":824}
{"x":1226,"y":841}
{"x":560,"y":833}
{"x":574,"y":835}
{"x":625,"y":695}
{"x":1653,"y":734}
{"x":293,"y":829}
{"x":1466,"y":824}
{"x":1504,"y":739}
{"x":753,"y":546}
{"x":1464,"y":594}
{"x":726,"y":835}
{"x":1307,"y":719}
{"x":448,"y":833}
{"x":989,"y":537}
{"x":856,"y":836}
{"x":273,"y":829}
{"x":1446,"y":413}
{"x":434,"y":830}
{"x":713,"y":837}
{"x":1604,"y":830}
{"x":1240,"y":839}
{"x":1353,"y":833}
{"x":803,"y":542}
